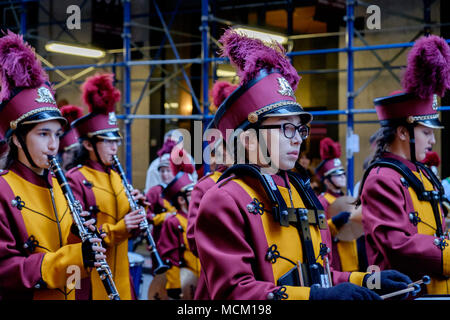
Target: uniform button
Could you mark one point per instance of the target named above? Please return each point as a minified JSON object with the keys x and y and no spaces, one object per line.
{"x":37,"y":286}
{"x":270,"y":296}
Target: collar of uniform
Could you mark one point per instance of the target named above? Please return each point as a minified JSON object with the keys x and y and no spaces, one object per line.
{"x":335,"y":194}
{"x":279,"y":181}
{"x":406,"y":162}
{"x":221,"y":168}
{"x":182,"y":213}
{"x":97,"y":166}
{"x":23,"y":171}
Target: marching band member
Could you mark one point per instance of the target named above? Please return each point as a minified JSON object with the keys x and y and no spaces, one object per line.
{"x":219,"y":92}
{"x":153,"y":178}
{"x":253,"y":238}
{"x":217,"y":164}
{"x":37,"y":252}
{"x":347,"y":255}
{"x":99,"y":188}
{"x":68,"y":143}
{"x":400,"y":196}
{"x":173,"y":246}
{"x":160,"y":208}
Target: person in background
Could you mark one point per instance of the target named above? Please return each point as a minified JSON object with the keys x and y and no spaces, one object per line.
{"x":172,"y":243}
{"x":347,"y":255}
{"x":217,"y":164}
{"x":171,"y":138}
{"x":99,"y":188}
{"x":160,"y":208}
{"x":400,"y":196}
{"x":69,"y":144}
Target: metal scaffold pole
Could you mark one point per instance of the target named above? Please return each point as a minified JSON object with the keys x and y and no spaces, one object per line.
{"x":205,"y":71}
{"x":350,"y":93}
{"x":127,"y":86}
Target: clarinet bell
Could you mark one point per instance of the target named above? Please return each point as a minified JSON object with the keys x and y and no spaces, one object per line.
{"x":161,"y":267}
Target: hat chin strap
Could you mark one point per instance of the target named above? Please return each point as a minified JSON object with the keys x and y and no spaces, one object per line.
{"x":93,"y":142}
{"x":25,"y":150}
{"x":412,"y":143}
{"x":332,"y":183}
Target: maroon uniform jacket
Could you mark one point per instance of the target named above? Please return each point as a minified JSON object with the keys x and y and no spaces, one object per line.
{"x":233,"y":235}
{"x":400,"y":229}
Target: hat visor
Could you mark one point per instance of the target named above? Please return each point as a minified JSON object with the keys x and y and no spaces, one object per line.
{"x":188,"y":187}
{"x":43,"y":116}
{"x":431,"y":123}
{"x":336,"y":172}
{"x":113,"y":134}
{"x":290,"y":110}
{"x":163,"y":164}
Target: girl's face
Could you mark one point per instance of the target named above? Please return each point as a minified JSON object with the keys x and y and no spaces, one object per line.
{"x":166,"y":174}
{"x":340,"y":180}
{"x":106,"y":149}
{"x":41,"y":141}
{"x":424,"y":137}
{"x":283,"y":151}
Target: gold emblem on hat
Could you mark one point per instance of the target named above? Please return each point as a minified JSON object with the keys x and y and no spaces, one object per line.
{"x":45,"y":96}
{"x":252,"y":117}
{"x":435,"y":102}
{"x":285,"y":88}
{"x":112,"y":119}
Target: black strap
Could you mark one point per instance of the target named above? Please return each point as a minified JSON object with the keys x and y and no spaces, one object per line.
{"x":309,"y":198}
{"x":401,"y":168}
{"x":431,"y":196}
{"x":282,"y":215}
{"x":277,"y":203}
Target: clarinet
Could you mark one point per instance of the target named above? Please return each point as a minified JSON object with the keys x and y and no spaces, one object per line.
{"x":104,"y":271}
{"x":161,"y":267}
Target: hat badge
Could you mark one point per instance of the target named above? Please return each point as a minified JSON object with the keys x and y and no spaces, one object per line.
{"x":112,"y":119}
{"x":337,"y":162}
{"x":45,"y":96}
{"x":435,"y":102}
{"x":285,"y":88}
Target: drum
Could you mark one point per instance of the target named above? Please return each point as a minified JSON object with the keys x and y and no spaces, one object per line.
{"x":188,"y":284}
{"x":353,"y":229}
{"x":136,"y":262}
{"x":157,"y":289}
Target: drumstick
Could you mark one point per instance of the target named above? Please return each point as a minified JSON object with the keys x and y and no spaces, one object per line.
{"x":396,"y":293}
{"x":300,"y":273}
{"x":411,"y":287}
{"x":424,"y":280}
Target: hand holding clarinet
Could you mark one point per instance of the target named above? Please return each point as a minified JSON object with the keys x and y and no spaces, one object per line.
{"x":91,"y":239}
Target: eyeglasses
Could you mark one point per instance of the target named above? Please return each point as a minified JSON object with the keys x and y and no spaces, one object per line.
{"x":111,"y":142}
{"x":289,"y":129}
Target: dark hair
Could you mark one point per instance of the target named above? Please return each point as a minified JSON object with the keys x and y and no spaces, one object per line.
{"x":382,"y":138}
{"x":11,"y":153}
{"x":81,"y":156}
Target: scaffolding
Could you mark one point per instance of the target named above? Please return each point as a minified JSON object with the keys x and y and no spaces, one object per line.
{"x":202,"y":106}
